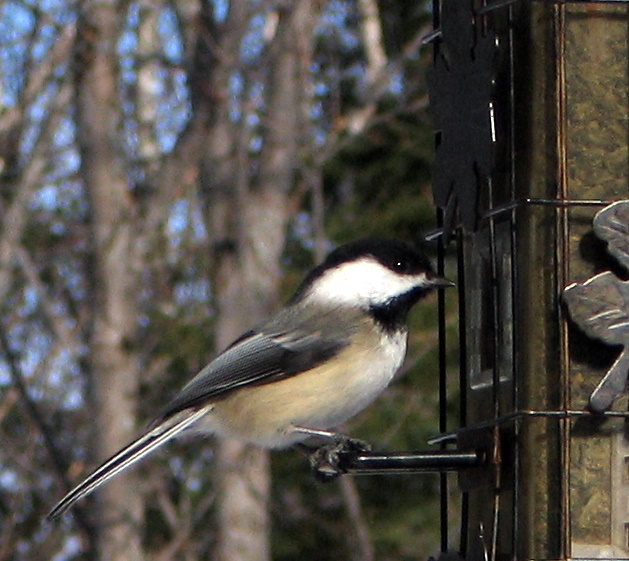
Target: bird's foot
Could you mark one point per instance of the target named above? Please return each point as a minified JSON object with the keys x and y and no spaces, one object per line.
{"x":327,"y":461}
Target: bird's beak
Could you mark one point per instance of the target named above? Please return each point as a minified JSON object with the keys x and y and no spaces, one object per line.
{"x":439,"y":282}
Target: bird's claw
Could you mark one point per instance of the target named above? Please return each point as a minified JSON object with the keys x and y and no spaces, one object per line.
{"x":327,"y":462}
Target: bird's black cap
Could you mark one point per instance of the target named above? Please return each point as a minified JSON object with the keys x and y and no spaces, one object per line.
{"x":399,"y":256}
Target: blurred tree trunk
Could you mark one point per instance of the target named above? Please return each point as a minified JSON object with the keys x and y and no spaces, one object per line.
{"x":248,"y":220}
{"x":114,"y":282}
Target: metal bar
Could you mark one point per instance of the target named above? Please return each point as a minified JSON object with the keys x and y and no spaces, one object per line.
{"x":513,"y":205}
{"x":436,"y":33}
{"x":513,"y":222}
{"x":438,"y":461}
{"x":463,"y":383}
{"x":494,"y":289}
{"x":585,"y":1}
{"x":430,"y":37}
{"x":443,"y":390}
{"x":561,"y":273}
{"x":443,"y":482}
{"x":523,"y":414}
{"x":502,"y":3}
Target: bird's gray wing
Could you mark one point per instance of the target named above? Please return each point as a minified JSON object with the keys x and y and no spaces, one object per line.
{"x":252,"y":359}
{"x":270,"y":352}
{"x":260,"y":356}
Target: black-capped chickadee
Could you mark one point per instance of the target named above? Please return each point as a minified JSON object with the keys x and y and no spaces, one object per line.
{"x":312,"y":365}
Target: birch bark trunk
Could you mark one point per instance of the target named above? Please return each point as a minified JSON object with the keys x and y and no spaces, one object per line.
{"x":113,"y":283}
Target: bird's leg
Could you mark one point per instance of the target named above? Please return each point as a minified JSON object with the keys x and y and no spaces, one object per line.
{"x":326,"y":460}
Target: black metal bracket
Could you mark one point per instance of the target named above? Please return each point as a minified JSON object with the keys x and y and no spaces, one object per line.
{"x":476,"y":459}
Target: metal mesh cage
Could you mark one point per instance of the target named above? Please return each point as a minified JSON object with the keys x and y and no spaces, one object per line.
{"x":556,"y":485}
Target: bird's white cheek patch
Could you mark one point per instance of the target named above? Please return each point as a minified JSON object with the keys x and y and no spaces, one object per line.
{"x":364,"y":281}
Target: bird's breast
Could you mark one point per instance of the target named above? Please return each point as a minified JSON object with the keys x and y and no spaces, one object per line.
{"x":320,"y":398}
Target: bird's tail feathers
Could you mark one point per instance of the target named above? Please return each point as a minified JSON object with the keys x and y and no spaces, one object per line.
{"x":128,"y":456}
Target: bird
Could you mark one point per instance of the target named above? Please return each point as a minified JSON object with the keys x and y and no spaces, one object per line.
{"x":309,"y":367}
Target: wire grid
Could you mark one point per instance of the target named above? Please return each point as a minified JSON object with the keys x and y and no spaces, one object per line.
{"x":494,"y":217}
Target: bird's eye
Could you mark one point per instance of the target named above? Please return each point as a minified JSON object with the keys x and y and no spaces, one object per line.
{"x":402,"y":266}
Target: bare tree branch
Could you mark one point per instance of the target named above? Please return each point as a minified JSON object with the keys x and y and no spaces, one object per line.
{"x":14,"y":218}
{"x":360,"y":119}
{"x":56,"y":457}
{"x":58,"y":324}
{"x":373,"y":41}
{"x":39,"y":77}
{"x":360,"y":542}
{"x":14,"y":221}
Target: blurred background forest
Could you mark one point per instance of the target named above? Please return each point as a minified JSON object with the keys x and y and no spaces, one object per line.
{"x":168,"y":171}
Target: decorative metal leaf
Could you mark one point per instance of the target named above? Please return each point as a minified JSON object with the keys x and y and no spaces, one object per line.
{"x":612,"y":385}
{"x":460,"y":88}
{"x":612,"y":225}
{"x":600,"y":306}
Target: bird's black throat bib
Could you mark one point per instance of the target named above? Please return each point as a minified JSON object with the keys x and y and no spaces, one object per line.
{"x":391,"y":315}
